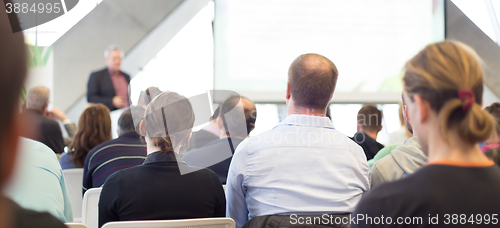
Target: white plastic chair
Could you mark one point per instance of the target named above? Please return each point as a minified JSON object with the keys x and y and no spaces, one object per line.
{"x":74,"y":180}
{"x":75,"y":225}
{"x":90,"y":209}
{"x":181,"y":223}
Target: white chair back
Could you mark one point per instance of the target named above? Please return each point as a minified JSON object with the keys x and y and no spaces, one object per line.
{"x":90,"y":209}
{"x":75,"y":225}
{"x":74,"y":180}
{"x":181,"y":223}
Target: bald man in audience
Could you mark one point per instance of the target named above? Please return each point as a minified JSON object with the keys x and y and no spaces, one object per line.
{"x":302,"y":166}
{"x":13,"y":69}
{"x":47,"y":130}
{"x":236,"y":118}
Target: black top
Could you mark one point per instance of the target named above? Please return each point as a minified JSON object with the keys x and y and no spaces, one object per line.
{"x":48,"y":131}
{"x":201,"y":138}
{"x":156,"y":190}
{"x":437,"y":190}
{"x":24,"y":218}
{"x":370,"y":146}
{"x":100,"y":88}
{"x":215,"y":156}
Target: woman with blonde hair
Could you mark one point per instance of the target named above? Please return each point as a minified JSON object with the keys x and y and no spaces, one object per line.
{"x":164,"y":187}
{"x":443,"y":87}
{"x":94,"y":128}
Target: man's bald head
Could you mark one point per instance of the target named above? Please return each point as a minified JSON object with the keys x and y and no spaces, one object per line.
{"x":231,"y":111}
{"x":312,"y":79}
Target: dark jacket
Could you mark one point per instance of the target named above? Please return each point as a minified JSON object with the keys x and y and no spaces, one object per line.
{"x":47,"y":132}
{"x":100,"y":88}
{"x":215,"y":156}
{"x":285,"y":221}
{"x":201,"y":138}
{"x":156,"y":190}
{"x":370,"y":146}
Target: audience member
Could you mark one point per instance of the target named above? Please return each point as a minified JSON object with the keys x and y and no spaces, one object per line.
{"x":236,"y":119}
{"x":494,"y":140}
{"x":47,"y":131}
{"x":400,"y":162}
{"x":94,"y":128}
{"x":303,"y":165}
{"x":13,"y":70}
{"x":369,"y":123}
{"x":207,"y":134}
{"x":164,"y":186}
{"x":128,"y":150}
{"x":443,"y":87}
{"x":109,"y":86}
{"x":70,"y":127}
{"x":399,"y":136}
{"x":38,"y":182}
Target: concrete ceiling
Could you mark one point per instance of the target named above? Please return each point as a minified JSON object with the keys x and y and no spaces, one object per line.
{"x":460,"y":28}
{"x":80,"y":51}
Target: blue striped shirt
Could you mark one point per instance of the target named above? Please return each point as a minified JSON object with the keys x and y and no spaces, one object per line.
{"x":126,"y":151}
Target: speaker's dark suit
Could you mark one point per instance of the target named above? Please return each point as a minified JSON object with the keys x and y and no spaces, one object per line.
{"x":100,"y":88}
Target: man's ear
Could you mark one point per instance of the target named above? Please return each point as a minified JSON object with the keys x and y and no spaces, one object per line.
{"x":8,"y":149}
{"x":358,"y":127}
{"x":288,"y":94}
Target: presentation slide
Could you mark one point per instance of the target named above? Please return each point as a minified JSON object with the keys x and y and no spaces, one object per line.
{"x":368,"y":40}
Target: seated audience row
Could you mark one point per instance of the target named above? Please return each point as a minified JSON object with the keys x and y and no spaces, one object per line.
{"x":303,"y":166}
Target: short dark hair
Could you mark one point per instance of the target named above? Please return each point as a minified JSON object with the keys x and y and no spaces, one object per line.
{"x":312,"y":79}
{"x":230,"y":119}
{"x":494,"y":110}
{"x":126,"y":121}
{"x":370,"y":118}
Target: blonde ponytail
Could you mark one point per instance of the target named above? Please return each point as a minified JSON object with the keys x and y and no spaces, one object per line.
{"x":449,"y":76}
